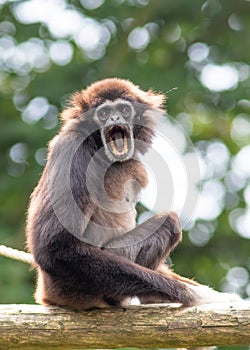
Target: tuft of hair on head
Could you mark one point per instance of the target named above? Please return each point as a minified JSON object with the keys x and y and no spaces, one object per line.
{"x":110,"y":89}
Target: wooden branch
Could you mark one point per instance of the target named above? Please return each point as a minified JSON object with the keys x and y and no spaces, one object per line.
{"x":146,"y":326}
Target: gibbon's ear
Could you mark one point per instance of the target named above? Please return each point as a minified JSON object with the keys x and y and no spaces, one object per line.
{"x":110,"y":89}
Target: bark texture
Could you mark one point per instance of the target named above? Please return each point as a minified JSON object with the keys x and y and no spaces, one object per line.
{"x":145,"y":326}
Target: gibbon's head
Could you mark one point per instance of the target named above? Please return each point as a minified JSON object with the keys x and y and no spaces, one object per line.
{"x":124,"y":115}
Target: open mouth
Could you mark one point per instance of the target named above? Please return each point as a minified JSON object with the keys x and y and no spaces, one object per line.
{"x":118,"y":140}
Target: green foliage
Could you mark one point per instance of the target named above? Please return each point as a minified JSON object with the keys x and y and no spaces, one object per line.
{"x":153,"y":43}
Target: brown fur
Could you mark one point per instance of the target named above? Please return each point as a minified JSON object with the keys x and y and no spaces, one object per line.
{"x":110,"y":89}
{"x":127,"y":262}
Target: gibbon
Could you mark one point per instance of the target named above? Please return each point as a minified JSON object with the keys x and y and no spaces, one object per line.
{"x":81,"y":225}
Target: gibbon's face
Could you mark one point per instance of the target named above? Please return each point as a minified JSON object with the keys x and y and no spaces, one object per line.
{"x":115,"y":119}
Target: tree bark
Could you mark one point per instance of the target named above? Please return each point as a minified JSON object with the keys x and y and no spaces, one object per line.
{"x":145,"y":326}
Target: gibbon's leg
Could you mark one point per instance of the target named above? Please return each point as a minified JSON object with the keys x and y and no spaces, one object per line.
{"x":155,"y":246}
{"x":159,"y":235}
{"x":152,"y":251}
{"x":83,"y":276}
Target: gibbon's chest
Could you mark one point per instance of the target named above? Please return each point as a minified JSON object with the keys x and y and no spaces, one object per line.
{"x":117,"y":198}
{"x":122,"y":184}
{"x":124,"y":180}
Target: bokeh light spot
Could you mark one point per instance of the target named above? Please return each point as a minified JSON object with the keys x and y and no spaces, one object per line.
{"x":19,"y":153}
{"x":41,"y":156}
{"x":138,"y":38}
{"x":61,"y":52}
{"x":219,"y":78}
{"x":241,"y":163}
{"x":198,"y":52}
{"x":91,"y":4}
{"x":36,"y":109}
{"x":240,"y":129}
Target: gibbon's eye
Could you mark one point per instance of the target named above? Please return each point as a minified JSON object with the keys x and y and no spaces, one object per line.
{"x":104,"y":112}
{"x":124,"y":109}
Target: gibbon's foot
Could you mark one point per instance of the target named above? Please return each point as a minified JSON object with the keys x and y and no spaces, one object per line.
{"x":207,"y":295}
{"x":131,"y":301}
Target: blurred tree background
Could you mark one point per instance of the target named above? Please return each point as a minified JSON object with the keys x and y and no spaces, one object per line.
{"x":48,"y":49}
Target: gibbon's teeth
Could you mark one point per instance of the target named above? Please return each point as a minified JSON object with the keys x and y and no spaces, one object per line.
{"x":118,"y":140}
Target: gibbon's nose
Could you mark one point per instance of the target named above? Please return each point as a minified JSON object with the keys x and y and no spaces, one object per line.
{"x":115,"y":118}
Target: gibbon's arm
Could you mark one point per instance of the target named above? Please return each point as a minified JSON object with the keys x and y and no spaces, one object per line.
{"x":155,"y":239}
{"x":60,"y":201}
